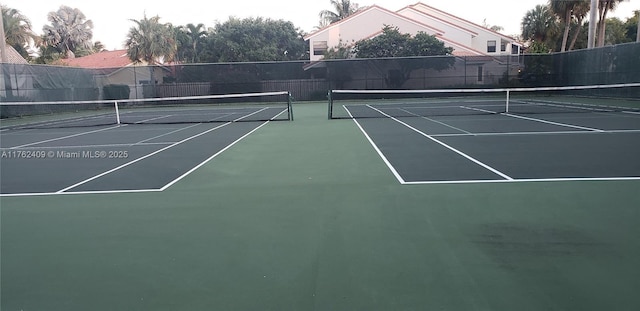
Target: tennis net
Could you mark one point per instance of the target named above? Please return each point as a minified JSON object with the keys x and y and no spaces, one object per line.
{"x":245,"y":107}
{"x":454,"y":102}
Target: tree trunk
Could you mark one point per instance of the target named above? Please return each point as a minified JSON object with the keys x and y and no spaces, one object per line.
{"x":638,"y":33}
{"x":602,"y":24}
{"x":574,"y":38}
{"x":567,"y":25}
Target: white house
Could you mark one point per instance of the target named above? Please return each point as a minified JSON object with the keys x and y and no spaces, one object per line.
{"x":465,"y":37}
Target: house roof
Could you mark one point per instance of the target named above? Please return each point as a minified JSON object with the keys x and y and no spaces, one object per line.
{"x":366,"y":10}
{"x":106,"y":59}
{"x":421,"y":7}
{"x":13,"y":57}
{"x":425,"y":13}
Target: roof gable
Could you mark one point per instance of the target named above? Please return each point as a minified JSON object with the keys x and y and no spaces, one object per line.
{"x":429,"y":10}
{"x":106,"y":59}
{"x":410,"y":9}
{"x":13,"y":57}
{"x":363,"y":12}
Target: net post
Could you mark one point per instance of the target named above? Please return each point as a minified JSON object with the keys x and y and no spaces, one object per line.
{"x":115,"y":103}
{"x":506,"y":110}
{"x":289,"y":105}
{"x":330,"y":99}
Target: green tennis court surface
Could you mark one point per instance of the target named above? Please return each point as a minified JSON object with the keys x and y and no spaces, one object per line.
{"x":306,"y":215}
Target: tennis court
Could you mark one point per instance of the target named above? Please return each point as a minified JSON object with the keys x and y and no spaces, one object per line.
{"x":478,"y":139}
{"x":141,"y":148}
{"x":482,"y":211}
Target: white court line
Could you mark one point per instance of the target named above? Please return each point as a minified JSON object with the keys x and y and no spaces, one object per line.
{"x":171,"y":183}
{"x":65,"y":137}
{"x":36,"y":194}
{"x":375,"y":147}
{"x":554,"y":123}
{"x":140,"y":159}
{"x":518,"y":133}
{"x":156,"y":118}
{"x":91,"y":146}
{"x":466,"y":156}
{"x":436,"y":121}
{"x":478,"y":109}
{"x":524,"y":180}
{"x":537,"y":133}
{"x":142,"y":142}
{"x":64,"y":191}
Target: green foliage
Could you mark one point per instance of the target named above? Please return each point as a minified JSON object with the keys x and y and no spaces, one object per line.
{"x":539,"y":48}
{"x":116,"y":91}
{"x":540,"y":26}
{"x":17,"y":29}
{"x":343,"y":8}
{"x":616,"y":32}
{"x":342,"y":51}
{"x":151,"y":41}
{"x":191,"y":39}
{"x":632,"y":26}
{"x":69,"y":32}
{"x":392,"y":43}
{"x":254,"y":39}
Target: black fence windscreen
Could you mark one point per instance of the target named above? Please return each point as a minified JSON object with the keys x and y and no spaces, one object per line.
{"x":307,"y":80}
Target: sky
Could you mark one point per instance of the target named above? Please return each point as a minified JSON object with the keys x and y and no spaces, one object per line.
{"x":112,"y":19}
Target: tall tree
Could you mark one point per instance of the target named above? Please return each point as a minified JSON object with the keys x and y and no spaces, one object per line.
{"x":254,"y":39}
{"x":539,"y":26}
{"x":633,"y":24}
{"x":563,"y":10}
{"x":69,"y":32}
{"x":150,"y":41}
{"x":397,"y":46}
{"x":604,"y":7}
{"x":17,"y":30}
{"x":343,"y":8}
{"x":196,"y":35}
{"x":580,"y":11}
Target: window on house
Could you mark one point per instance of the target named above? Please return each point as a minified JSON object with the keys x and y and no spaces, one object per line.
{"x":491,"y":46}
{"x":503,"y":46}
{"x":515,"y":49}
{"x":479,"y":73}
{"x":319,"y":47}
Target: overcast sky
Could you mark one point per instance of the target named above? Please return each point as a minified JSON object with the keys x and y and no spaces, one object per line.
{"x":111,"y":19}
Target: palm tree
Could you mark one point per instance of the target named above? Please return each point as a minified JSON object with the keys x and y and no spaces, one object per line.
{"x":17,"y":29}
{"x":603,"y":8}
{"x":563,"y":10}
{"x":98,"y":47}
{"x":196,"y":33}
{"x":343,"y":8}
{"x":539,"y":25}
{"x":580,"y":11}
{"x":69,"y":31}
{"x":152,"y":42}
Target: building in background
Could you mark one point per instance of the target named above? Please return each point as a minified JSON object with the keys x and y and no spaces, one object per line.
{"x":465,"y":37}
